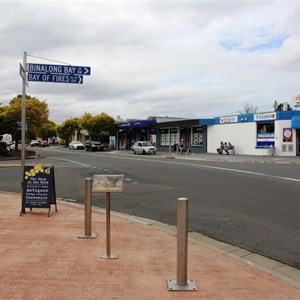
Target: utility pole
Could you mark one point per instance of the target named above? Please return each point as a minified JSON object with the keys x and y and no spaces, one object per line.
{"x":23,"y":121}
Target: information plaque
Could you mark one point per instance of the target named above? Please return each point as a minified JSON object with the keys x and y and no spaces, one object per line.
{"x":38,"y":188}
{"x":108,"y":183}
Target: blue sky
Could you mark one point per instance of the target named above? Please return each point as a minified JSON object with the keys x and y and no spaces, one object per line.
{"x":192,"y":59}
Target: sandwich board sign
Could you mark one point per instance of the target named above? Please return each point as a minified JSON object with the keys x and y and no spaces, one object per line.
{"x":38,"y":188}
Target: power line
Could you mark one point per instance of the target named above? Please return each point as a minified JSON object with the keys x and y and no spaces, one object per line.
{"x":57,"y":61}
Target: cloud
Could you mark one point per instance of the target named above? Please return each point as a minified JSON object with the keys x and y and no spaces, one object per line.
{"x":178,"y":58}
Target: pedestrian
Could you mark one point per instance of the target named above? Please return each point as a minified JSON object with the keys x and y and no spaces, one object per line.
{"x":220,"y":149}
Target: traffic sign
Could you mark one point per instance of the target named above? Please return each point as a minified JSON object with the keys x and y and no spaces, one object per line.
{"x":78,"y":79}
{"x":23,"y":74}
{"x":58,"y":69}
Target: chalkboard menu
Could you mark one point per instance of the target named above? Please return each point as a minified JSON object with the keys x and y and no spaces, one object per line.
{"x":38,"y":188}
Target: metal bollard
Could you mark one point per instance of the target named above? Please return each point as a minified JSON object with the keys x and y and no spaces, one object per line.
{"x":88,"y":211}
{"x":182,"y":216}
{"x":108,"y":255}
{"x":182,"y":284}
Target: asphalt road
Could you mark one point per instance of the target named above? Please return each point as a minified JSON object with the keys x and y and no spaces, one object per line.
{"x":253,"y":206}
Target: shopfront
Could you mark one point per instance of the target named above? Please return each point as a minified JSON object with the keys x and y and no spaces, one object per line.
{"x":273,"y":133}
{"x":138,"y":130}
{"x":191,"y":132}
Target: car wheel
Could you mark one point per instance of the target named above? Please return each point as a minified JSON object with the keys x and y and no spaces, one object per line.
{"x":134,"y":152}
{"x":144,"y":152}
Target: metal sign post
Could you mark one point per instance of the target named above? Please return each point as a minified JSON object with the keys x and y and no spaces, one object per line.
{"x":23,"y":123}
{"x":44,"y":73}
{"x":107,"y":204}
{"x":108,"y":184}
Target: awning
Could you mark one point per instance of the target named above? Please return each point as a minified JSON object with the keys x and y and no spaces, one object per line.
{"x":296,"y":122}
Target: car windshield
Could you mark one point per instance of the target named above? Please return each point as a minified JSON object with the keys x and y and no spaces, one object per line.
{"x":146,"y":144}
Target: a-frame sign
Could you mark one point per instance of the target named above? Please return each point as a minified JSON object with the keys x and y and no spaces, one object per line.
{"x":38,"y":188}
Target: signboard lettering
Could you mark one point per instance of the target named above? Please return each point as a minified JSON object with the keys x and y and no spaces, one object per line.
{"x":55,"y":78}
{"x":58,"y":69}
{"x":265,"y":116}
{"x":38,"y":187}
{"x":231,"y":119}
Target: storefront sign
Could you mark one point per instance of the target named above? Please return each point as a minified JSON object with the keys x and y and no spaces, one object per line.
{"x":231,"y":119}
{"x":287,"y":136}
{"x":296,"y":103}
{"x":265,"y":116}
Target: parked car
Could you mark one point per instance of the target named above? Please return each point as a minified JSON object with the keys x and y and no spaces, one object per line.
{"x":12,"y":147}
{"x":44,"y":144}
{"x":34,"y":143}
{"x":143,"y":147}
{"x":76,"y":145}
{"x":93,"y":146}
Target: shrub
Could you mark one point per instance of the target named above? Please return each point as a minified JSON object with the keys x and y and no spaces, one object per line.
{"x":3,"y":149}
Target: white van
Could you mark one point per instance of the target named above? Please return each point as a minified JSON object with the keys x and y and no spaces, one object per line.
{"x":6,"y":138}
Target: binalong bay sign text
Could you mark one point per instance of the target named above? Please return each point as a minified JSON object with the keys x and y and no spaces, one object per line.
{"x":57,"y":73}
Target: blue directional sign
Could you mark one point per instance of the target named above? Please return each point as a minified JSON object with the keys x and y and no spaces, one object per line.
{"x":58,"y":69}
{"x":60,"y":78}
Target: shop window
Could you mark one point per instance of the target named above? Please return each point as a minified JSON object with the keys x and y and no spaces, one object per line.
{"x":166,"y":137}
{"x":197,"y":136}
{"x":265,"y":134}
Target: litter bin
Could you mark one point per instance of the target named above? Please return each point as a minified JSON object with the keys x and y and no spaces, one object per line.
{"x":271,"y":150}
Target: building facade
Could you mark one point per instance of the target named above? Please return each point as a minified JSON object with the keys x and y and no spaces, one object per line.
{"x":274,"y":133}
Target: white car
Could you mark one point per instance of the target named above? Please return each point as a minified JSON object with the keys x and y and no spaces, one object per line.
{"x":34,"y":143}
{"x":76,"y":145}
{"x":143,"y":147}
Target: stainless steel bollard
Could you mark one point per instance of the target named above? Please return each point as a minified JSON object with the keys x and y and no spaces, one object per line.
{"x":182,"y":231}
{"x":88,"y":211}
{"x":182,"y":284}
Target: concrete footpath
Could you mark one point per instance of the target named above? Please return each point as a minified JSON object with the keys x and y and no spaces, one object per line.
{"x":43,"y":258}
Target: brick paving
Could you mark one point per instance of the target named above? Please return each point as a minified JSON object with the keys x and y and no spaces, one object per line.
{"x":43,"y":258}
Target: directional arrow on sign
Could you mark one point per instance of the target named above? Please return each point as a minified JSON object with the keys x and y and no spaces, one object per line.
{"x":77,"y":79}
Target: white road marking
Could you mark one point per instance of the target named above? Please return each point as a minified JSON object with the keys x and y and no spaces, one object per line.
{"x":181,"y":163}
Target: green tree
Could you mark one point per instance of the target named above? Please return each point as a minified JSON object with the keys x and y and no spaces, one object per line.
{"x":37,"y":114}
{"x":67,"y":129}
{"x":99,"y":127}
{"x":48,"y":130}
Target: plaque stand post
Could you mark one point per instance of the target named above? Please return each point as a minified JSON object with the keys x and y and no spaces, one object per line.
{"x":108,"y":255}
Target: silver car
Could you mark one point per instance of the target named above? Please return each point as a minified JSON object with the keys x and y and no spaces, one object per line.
{"x":143,"y":147}
{"x":75,"y":145}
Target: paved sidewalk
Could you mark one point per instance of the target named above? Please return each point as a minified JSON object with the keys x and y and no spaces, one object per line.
{"x":43,"y":258}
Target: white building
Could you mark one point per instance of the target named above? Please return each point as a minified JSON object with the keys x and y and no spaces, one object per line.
{"x":274,"y":133}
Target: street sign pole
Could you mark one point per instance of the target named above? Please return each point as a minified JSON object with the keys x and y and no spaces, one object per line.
{"x":23,"y":114}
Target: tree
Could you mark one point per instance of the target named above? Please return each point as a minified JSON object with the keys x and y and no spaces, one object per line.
{"x":99,"y":127}
{"x":67,"y":129}
{"x":37,"y":114}
{"x":248,"y":109}
{"x":48,"y":130}
{"x":283,"y":106}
